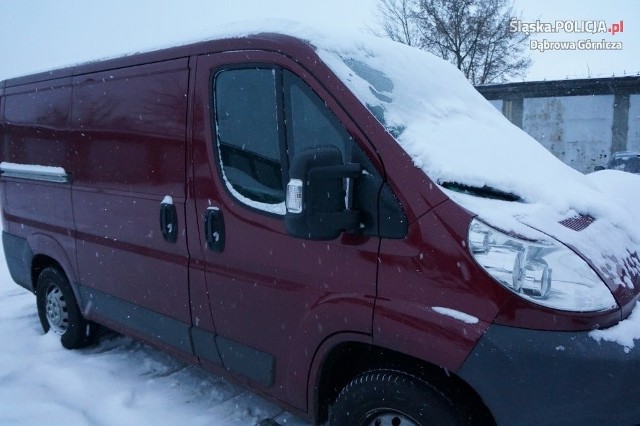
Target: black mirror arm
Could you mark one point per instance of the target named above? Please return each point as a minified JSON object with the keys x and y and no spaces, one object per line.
{"x":351,"y":170}
{"x":347,"y":219}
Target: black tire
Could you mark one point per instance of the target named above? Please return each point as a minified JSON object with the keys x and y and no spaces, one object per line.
{"x":392,"y":398}
{"x":59,"y":312}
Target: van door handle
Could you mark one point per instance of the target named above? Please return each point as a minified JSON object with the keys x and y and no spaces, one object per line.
{"x":168,"y":220}
{"x":214,"y":229}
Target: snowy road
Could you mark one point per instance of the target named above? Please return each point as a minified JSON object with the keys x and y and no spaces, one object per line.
{"x":117,"y":382}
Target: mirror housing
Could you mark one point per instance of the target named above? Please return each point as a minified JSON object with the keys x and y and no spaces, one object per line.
{"x":319,"y":194}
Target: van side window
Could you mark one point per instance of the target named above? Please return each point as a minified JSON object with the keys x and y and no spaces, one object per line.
{"x":248,"y":138}
{"x":311,"y":122}
{"x":264,"y":115}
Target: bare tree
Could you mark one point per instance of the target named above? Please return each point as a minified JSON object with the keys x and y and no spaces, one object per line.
{"x":400,"y":21}
{"x":473,"y":35}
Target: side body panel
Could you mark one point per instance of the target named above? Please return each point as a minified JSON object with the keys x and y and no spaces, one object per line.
{"x":128,"y":154}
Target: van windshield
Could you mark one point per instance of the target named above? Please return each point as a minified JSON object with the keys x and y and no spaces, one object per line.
{"x":450,"y":131}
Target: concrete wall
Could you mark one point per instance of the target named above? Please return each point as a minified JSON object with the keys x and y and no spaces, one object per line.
{"x":633,"y":141}
{"x":576,"y":129}
{"x":582,"y":122}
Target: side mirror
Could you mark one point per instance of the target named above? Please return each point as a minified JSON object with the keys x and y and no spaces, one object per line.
{"x":319,"y":194}
{"x":598,"y":168}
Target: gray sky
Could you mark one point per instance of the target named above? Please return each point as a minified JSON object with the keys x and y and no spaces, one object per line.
{"x":37,"y":35}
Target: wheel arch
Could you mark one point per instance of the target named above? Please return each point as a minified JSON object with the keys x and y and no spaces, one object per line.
{"x":39,"y":263}
{"x":344,"y":360}
{"x":49,"y":252}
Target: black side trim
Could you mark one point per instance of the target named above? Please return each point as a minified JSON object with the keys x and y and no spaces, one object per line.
{"x":252,"y":363}
{"x":204,"y":345}
{"x":234,"y":356}
{"x":19,"y":257}
{"x":168,"y":330}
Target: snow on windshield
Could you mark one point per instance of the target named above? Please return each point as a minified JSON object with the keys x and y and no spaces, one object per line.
{"x":452,"y":133}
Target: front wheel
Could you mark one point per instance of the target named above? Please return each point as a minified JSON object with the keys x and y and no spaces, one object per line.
{"x":392,"y":398}
{"x":59,"y":312}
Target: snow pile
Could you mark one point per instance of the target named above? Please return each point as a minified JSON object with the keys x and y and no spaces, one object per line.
{"x":622,"y":187}
{"x":625,"y":333}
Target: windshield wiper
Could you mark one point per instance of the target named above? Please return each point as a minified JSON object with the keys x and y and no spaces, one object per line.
{"x":484,"y":191}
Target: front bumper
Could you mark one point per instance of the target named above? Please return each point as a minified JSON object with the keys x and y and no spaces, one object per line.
{"x":548,"y":377}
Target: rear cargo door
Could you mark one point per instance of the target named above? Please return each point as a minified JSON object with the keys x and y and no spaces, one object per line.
{"x":129,"y":199}
{"x":274,"y":298}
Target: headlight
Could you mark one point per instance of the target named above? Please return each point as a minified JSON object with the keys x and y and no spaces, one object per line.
{"x":544,"y":272}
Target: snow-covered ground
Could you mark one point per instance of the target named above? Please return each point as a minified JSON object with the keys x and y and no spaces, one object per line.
{"x":118,"y":382}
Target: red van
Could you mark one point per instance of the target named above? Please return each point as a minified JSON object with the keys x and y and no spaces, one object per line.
{"x":346,"y":227}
